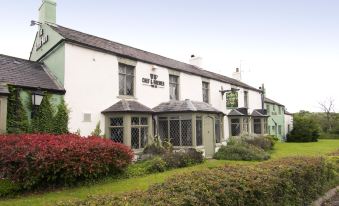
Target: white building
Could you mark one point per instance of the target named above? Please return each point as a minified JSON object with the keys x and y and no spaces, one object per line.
{"x":136,"y":94}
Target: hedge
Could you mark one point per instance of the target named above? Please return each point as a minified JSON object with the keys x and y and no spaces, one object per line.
{"x":44,"y":160}
{"x":289,"y":181}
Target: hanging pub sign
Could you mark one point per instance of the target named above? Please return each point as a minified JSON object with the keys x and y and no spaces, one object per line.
{"x":41,"y":39}
{"x":153,"y":81}
{"x":232,"y":99}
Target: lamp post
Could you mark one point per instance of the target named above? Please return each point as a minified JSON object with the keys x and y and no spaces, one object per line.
{"x":37,"y":97}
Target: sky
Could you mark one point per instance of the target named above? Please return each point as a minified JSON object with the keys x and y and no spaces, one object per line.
{"x":292,"y":46}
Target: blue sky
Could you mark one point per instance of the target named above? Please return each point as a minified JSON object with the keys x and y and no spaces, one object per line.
{"x":291,"y":46}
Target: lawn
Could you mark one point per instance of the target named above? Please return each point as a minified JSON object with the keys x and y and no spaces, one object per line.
{"x":142,"y":183}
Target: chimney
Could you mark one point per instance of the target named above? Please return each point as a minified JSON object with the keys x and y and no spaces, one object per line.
{"x":263,"y":95}
{"x":196,"y":61}
{"x":237,"y":74}
{"x":47,"y":11}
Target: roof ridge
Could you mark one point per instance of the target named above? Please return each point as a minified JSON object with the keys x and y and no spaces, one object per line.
{"x":198,"y":70}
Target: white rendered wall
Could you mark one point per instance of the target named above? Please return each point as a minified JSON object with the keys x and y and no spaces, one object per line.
{"x":288,"y":121}
{"x":91,"y":82}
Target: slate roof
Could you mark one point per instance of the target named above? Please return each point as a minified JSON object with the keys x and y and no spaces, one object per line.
{"x":134,"y":53}
{"x":185,"y":106}
{"x":272,"y":101}
{"x":259,"y":113}
{"x":238,"y":112}
{"x":4,"y":89}
{"x":128,"y":106}
{"x":28,"y":74}
{"x":287,"y":113}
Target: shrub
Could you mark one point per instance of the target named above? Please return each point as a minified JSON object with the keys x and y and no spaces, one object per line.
{"x":8,"y":188}
{"x":61,"y":118}
{"x":305,"y":129}
{"x":157,"y":164}
{"x":43,"y":160}
{"x":157,"y":147}
{"x":144,"y":167}
{"x":289,"y":181}
{"x":264,"y":142}
{"x":241,"y":151}
{"x":183,"y":158}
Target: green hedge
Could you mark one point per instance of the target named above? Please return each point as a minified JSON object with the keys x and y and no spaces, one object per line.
{"x":289,"y":181}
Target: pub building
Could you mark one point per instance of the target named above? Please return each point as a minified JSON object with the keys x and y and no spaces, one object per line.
{"x":136,"y":95}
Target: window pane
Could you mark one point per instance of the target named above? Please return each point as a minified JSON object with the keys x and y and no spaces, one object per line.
{"x":121,"y":84}
{"x":122,"y":69}
{"x":199,"y":131}
{"x":163,"y":129}
{"x":245,"y":98}
{"x":186,"y":132}
{"x":130,"y":70}
{"x":143,"y":136}
{"x":129,"y":85}
{"x":173,"y":92}
{"x":135,"y":120}
{"x":175,"y":132}
{"x":257,"y":126}
{"x":235,"y":127}
{"x":144,"y":121}
{"x":117,"y":121}
{"x":117,"y":134}
{"x":135,"y":138}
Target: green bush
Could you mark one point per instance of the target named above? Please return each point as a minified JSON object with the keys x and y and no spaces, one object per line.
{"x":157,"y":147}
{"x":183,"y":158}
{"x":157,"y":164}
{"x":305,"y":129}
{"x":264,"y":142}
{"x":289,"y":181}
{"x":241,"y":151}
{"x":8,"y":188}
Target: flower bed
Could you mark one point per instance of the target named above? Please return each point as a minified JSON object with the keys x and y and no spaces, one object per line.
{"x":44,"y":160}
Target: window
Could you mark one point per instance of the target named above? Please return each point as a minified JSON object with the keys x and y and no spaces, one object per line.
{"x":217,"y":130}
{"x":265,"y":126}
{"x":268,"y":109}
{"x":235,"y":127}
{"x":257,"y":126}
{"x":205,"y":92}
{"x":139,"y":132}
{"x":179,"y":130}
{"x":116,"y":128}
{"x":126,"y":79}
{"x":245,"y":125}
{"x":274,"y":130}
{"x":199,"y":131}
{"x":174,"y":87}
{"x":279,"y":110}
{"x":279,"y":129}
{"x":246,"y":99}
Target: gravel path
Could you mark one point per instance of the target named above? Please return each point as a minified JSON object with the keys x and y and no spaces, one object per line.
{"x":334,"y":201}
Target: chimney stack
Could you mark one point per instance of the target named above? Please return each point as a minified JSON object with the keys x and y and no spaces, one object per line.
{"x":237,"y":74}
{"x":196,"y":61}
{"x":47,"y":11}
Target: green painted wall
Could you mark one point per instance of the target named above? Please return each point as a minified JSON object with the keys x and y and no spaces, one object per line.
{"x":54,"y":59}
{"x":276,"y":119}
{"x":53,"y":39}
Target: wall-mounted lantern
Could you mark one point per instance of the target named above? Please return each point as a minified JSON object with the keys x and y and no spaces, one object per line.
{"x":37,"y":97}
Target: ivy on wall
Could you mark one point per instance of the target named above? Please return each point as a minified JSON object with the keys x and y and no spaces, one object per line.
{"x":17,"y":118}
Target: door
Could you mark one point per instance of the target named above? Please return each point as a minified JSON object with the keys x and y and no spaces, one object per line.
{"x":208,"y":136}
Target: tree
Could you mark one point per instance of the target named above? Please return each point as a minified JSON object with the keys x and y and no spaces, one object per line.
{"x":328,"y":108}
{"x":61,"y":118}
{"x":17,"y":118}
{"x":305,"y":129}
{"x":42,"y":121}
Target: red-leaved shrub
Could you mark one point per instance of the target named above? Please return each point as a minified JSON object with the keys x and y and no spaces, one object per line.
{"x":40,"y":160}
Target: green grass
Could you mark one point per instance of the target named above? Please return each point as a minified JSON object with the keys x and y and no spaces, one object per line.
{"x":142,"y":183}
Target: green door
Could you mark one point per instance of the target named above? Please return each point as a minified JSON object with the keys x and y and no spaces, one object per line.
{"x":208,"y":136}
